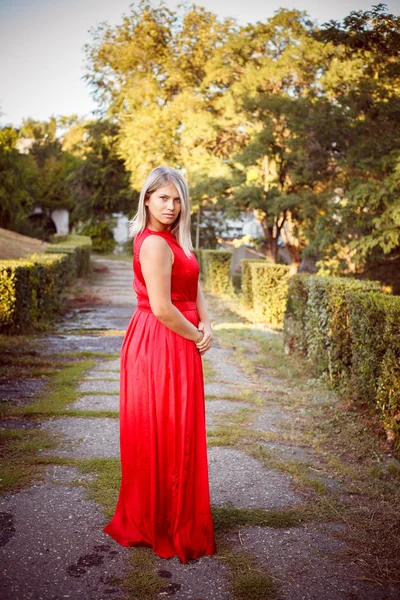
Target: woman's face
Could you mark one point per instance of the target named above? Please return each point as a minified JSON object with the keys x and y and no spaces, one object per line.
{"x":164,"y":206}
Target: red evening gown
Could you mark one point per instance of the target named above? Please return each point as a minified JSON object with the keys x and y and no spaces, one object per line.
{"x":164,"y":499}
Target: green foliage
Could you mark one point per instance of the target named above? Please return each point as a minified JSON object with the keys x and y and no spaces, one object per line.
{"x":269,"y":291}
{"x":264,"y":289}
{"x":362,"y":82}
{"x":100,"y":182}
{"x":79,"y":246}
{"x":294,"y":326}
{"x":272,"y":117}
{"x":18,"y":172}
{"x":375,"y":369}
{"x":51,"y":189}
{"x":327,"y":323}
{"x":32,"y":288}
{"x":247,"y":282}
{"x":215,"y":265}
{"x":101,"y":234}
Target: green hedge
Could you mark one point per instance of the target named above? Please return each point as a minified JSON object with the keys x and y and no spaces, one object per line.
{"x":350,"y":330}
{"x":317,"y":320}
{"x":80,"y":246}
{"x":388,"y":393}
{"x":327,"y":322}
{"x":247,"y":286}
{"x":215,"y":267}
{"x":265,"y":289}
{"x":31,"y":288}
{"x":367,"y":326}
{"x":375,"y":369}
{"x":294,"y":326}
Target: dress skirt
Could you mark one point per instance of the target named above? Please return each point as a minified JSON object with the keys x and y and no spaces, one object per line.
{"x":164,"y":499}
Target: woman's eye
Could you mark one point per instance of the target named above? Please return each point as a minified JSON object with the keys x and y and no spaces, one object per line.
{"x":165,"y":198}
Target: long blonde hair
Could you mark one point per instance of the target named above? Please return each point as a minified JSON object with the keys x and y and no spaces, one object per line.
{"x":159,"y":177}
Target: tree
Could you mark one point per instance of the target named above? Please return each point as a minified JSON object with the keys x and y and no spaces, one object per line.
{"x":363,"y":83}
{"x":51,"y":190}
{"x":18,"y":174}
{"x":100,"y":184}
{"x":148,"y":73}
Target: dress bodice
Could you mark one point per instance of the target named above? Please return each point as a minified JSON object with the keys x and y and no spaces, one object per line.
{"x":184,"y":275}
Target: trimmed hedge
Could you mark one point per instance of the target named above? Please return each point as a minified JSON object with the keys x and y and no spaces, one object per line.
{"x":317,"y":320}
{"x":265,"y":289}
{"x":375,"y":369}
{"x":327,"y":322}
{"x":270,"y":291}
{"x":215,"y":266}
{"x":247,"y":286}
{"x":367,"y":326}
{"x":80,"y":246}
{"x":294,"y":326}
{"x":31,"y":288}
{"x":350,"y":330}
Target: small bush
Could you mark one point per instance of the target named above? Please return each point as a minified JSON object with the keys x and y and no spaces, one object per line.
{"x":215,"y":266}
{"x":31,"y":289}
{"x":101,"y":234}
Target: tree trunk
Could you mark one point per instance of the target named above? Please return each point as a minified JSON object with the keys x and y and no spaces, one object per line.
{"x":294,"y":258}
{"x":292,"y":243}
{"x":271,"y":235}
{"x":271,"y":248}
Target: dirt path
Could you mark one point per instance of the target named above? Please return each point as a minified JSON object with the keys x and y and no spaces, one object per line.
{"x":285,"y":502}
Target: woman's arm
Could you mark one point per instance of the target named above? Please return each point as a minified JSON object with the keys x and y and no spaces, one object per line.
{"x":204,"y":323}
{"x":156,"y":264}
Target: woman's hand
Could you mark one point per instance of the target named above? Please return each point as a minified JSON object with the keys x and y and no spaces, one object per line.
{"x":206,"y":341}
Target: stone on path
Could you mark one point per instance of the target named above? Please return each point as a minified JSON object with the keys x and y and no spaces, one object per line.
{"x":243,"y":481}
{"x":96,"y":402}
{"x":106,"y":365}
{"x":85,"y":437}
{"x":217,"y":408}
{"x":203,"y":578}
{"x":226,"y":370}
{"x":99,"y":385}
{"x":98,"y":375}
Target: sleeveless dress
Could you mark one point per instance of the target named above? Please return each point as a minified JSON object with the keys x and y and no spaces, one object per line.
{"x":164,"y":499}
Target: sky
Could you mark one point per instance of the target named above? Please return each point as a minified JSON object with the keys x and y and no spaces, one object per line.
{"x":42,"y":60}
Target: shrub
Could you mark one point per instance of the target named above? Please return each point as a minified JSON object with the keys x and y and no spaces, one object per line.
{"x":327,"y":323}
{"x":375,"y":368}
{"x":101,"y":234}
{"x":247,"y":285}
{"x":215,"y":266}
{"x":31,"y":289}
{"x":294,"y":325}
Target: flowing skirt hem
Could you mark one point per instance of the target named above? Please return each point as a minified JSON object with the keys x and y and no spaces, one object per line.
{"x":141,"y":543}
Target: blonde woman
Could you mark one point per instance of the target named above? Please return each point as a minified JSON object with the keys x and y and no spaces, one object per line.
{"x":164,"y":500}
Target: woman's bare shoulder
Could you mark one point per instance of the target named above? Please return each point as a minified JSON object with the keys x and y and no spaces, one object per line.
{"x":154,"y":247}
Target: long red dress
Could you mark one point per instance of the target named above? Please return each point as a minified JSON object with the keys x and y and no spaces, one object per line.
{"x":164,"y":499}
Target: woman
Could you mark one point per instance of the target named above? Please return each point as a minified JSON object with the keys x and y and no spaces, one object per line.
{"x":164,"y":500}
